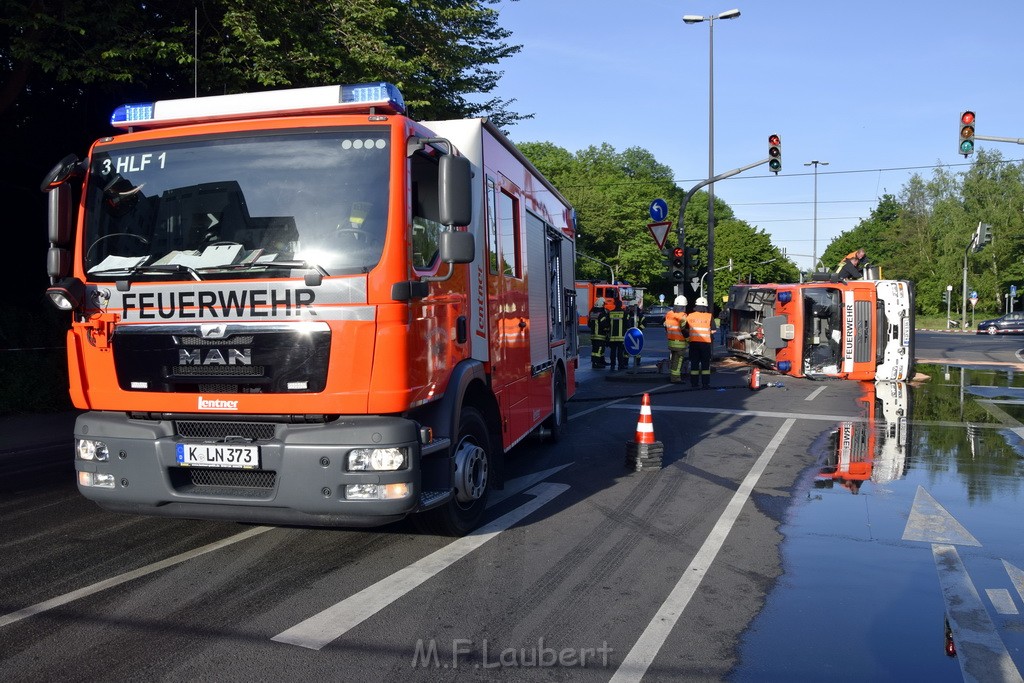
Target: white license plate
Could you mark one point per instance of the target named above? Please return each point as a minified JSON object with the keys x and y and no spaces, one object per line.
{"x":199,"y":455}
{"x":906,"y":331}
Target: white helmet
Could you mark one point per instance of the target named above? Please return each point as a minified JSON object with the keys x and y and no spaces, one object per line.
{"x":600,"y":302}
{"x":680,"y":301}
{"x":701,"y":301}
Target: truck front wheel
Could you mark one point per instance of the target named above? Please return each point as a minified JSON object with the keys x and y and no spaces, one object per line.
{"x":463,"y":512}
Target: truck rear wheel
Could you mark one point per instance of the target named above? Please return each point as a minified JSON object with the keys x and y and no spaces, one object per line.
{"x":463,"y":512}
{"x":559,"y":414}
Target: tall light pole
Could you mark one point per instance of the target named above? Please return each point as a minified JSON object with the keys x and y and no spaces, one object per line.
{"x":814,"y":249}
{"x":696,"y":19}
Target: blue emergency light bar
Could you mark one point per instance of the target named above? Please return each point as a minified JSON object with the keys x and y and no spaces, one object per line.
{"x":384,"y":98}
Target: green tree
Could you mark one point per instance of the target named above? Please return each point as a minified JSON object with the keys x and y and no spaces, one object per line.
{"x":439,"y":52}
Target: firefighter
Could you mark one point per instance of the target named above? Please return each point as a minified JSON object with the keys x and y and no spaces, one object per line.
{"x":851,"y":269}
{"x":675,"y":330}
{"x":617,"y":335}
{"x":598,"y":323}
{"x":852,"y":265}
{"x":635,"y":318}
{"x":701,"y":324}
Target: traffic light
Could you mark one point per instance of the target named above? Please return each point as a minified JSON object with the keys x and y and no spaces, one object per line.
{"x":984,"y":235}
{"x":677,"y":266}
{"x":967,"y":133}
{"x":690,"y":262}
{"x":774,"y":153}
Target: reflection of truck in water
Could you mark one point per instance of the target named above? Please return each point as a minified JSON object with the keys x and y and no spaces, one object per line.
{"x":875,"y":447}
{"x":859,"y":329}
{"x":304,"y":307}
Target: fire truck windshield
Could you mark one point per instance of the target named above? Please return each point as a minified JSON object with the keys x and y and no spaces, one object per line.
{"x":236,"y":206}
{"x":823,"y":330}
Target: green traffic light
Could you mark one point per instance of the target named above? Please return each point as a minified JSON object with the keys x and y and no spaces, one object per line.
{"x":967,"y":146}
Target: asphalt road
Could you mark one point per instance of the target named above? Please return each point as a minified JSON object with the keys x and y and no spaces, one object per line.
{"x":584,"y":568}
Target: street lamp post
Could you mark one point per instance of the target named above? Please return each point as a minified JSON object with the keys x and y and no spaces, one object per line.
{"x":814,"y":249}
{"x":696,"y":19}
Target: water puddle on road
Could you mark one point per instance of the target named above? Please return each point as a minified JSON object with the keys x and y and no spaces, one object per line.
{"x":860,"y":598}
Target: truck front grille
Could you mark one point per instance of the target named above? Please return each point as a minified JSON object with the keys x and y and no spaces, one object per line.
{"x":200,"y":429}
{"x":206,"y":481}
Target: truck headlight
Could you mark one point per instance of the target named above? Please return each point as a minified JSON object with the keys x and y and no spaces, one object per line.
{"x":377,"y":459}
{"x":87,"y":449}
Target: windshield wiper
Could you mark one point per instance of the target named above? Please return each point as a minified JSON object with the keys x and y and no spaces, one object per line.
{"x":141,"y":269}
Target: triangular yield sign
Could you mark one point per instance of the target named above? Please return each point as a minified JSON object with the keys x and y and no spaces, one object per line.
{"x":659,"y":231}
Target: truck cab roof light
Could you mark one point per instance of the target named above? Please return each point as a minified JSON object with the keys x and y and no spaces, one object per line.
{"x":377,"y":98}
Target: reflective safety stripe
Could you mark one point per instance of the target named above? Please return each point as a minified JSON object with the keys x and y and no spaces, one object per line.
{"x":700,"y":327}
{"x":618,"y":325}
{"x":673,"y":326}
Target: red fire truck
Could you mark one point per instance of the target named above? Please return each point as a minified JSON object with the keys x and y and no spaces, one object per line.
{"x":303,"y":307}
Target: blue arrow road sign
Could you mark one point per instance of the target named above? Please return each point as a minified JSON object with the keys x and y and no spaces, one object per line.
{"x":1013,"y":290}
{"x":659,"y":210}
{"x":634,"y":341}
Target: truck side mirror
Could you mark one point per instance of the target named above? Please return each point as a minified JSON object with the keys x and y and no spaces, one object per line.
{"x":455,"y":190}
{"x":59,"y":215}
{"x":457,"y":247}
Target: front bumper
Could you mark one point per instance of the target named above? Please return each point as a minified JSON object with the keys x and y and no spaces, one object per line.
{"x":301,"y":478}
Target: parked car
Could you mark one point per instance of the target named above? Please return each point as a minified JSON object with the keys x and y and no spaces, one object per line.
{"x":1011,"y":323}
{"x":655,"y":315}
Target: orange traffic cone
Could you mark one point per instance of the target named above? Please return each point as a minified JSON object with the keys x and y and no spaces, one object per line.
{"x":645,"y":425}
{"x":755,"y":378}
{"x":643,"y":452}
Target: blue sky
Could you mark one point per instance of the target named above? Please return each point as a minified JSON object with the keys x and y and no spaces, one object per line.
{"x":874,"y":88}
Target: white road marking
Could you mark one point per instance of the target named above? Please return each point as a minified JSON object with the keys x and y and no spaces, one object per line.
{"x":1016,"y":577}
{"x":653,"y":638}
{"x":979,"y":649}
{"x":610,"y":404}
{"x":130,"y":576}
{"x":814,"y":394}
{"x":745,"y":413}
{"x":335,"y":621}
{"x":931,"y":523}
{"x":520,"y":484}
{"x":1001,"y":600}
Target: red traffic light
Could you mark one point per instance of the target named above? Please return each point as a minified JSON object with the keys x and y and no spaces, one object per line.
{"x":776,"y":140}
{"x":967,"y":118}
{"x":677,"y":252}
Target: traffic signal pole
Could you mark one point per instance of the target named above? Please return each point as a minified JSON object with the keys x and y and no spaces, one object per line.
{"x":681,"y":228}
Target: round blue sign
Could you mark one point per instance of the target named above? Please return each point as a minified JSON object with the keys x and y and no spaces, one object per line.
{"x":659,"y":210}
{"x":633,"y":342}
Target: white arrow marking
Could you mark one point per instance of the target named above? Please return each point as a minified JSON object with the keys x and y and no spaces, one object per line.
{"x":929,"y":522}
{"x":335,"y":621}
{"x":1001,"y":600}
{"x":520,"y":484}
{"x":1016,"y":577}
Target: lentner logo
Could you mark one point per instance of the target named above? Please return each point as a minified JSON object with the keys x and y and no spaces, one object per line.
{"x":216,"y":404}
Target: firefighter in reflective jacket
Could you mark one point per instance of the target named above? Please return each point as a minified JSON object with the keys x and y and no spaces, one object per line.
{"x":675,"y":330}
{"x":617,"y":335}
{"x":701,"y":326}
{"x":598,"y":323}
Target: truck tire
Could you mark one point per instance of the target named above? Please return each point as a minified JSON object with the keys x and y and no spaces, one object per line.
{"x":559,"y":416}
{"x":463,"y":512}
